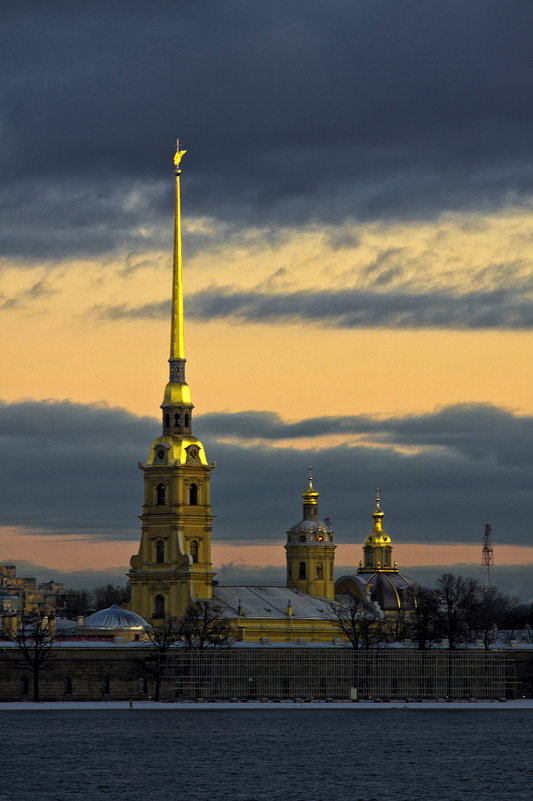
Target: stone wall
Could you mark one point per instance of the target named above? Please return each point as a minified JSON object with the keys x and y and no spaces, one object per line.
{"x":121,"y":672}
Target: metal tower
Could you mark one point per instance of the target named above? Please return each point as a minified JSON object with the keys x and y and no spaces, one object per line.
{"x":487,"y":556}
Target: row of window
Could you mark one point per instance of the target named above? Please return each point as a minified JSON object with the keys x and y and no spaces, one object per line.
{"x":177,"y":420}
{"x":162,"y":494}
{"x":160,"y":551}
{"x":24,"y":685}
{"x":302,"y":570}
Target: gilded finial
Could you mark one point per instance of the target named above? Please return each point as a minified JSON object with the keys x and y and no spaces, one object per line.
{"x":377,"y":514}
{"x":310,"y":495}
{"x":179,"y":155}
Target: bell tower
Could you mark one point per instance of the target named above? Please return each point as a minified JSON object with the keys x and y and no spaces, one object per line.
{"x":310,"y":550}
{"x":377,"y":550}
{"x":173,"y":566}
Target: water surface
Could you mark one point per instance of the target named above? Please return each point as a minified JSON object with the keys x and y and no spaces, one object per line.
{"x":266,"y":755}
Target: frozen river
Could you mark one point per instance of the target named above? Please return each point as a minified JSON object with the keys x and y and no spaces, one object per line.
{"x":303,"y":754}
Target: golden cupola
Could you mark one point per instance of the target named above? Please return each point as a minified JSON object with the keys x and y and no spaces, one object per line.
{"x":310,"y":549}
{"x":377,"y":550}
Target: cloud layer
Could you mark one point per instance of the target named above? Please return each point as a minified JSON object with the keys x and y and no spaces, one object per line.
{"x":349,"y":309}
{"x":70,"y":469}
{"x":291,"y":114}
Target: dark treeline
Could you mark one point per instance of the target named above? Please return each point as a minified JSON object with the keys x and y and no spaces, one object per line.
{"x":75,"y":603}
{"x":458,"y":612}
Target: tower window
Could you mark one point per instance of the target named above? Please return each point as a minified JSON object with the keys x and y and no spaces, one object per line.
{"x":194,"y":551}
{"x":160,"y":551}
{"x":159,"y":606}
{"x":167,"y":420}
{"x":319,"y":570}
{"x":331,"y":571}
{"x":187,"y":419}
{"x":302,"y":570}
{"x":161,"y":494}
{"x":177,"y":420}
{"x":289,"y":571}
{"x":301,"y":538}
{"x":193,"y":495}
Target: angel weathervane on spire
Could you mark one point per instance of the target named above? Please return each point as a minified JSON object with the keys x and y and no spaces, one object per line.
{"x":179,"y":155}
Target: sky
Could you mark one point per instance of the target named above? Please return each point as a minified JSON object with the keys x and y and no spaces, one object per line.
{"x":357,"y":200}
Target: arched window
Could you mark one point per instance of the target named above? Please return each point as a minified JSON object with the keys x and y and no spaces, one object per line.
{"x":23,"y":686}
{"x":194,"y":551}
{"x":167,"y":420}
{"x":177,"y":420}
{"x":386,"y":557}
{"x":160,"y":551}
{"x":67,"y":685}
{"x":161,"y":493}
{"x":193,"y":495}
{"x":319,"y":570}
{"x":302,"y":571}
{"x":159,"y":606}
{"x":289,"y":571}
{"x":187,"y":419}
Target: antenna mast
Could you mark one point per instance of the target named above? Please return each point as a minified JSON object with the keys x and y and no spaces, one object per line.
{"x":487,"y":556}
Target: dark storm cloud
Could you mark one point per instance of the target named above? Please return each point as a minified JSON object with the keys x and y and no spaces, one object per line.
{"x":68,"y":468}
{"x":507,"y":308}
{"x":462,"y":428}
{"x":292,"y":111}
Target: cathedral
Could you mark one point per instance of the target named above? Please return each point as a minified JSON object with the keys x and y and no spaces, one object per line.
{"x":173,"y":567}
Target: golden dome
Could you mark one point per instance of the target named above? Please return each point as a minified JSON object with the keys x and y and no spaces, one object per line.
{"x":310,"y":495}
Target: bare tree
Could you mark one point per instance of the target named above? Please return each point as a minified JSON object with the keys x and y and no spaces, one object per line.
{"x":106,"y":595}
{"x":203,"y":626}
{"x":34,"y":642}
{"x":358,"y":622}
{"x":161,"y":637}
{"x":398,"y":625}
{"x":423,"y":620}
{"x":72,"y":603}
{"x":457,"y":599}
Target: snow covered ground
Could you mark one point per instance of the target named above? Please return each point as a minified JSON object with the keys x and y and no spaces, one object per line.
{"x":139,"y":706}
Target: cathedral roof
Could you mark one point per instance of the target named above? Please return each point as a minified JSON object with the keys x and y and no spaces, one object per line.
{"x":269,"y":603}
{"x":115,"y":617}
{"x":391,"y":590}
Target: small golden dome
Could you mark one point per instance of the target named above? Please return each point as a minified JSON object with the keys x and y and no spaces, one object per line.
{"x":310,"y":495}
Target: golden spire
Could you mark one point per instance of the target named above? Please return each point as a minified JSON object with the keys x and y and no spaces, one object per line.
{"x":177,"y":341}
{"x":377,"y":514}
{"x":310,"y":495}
